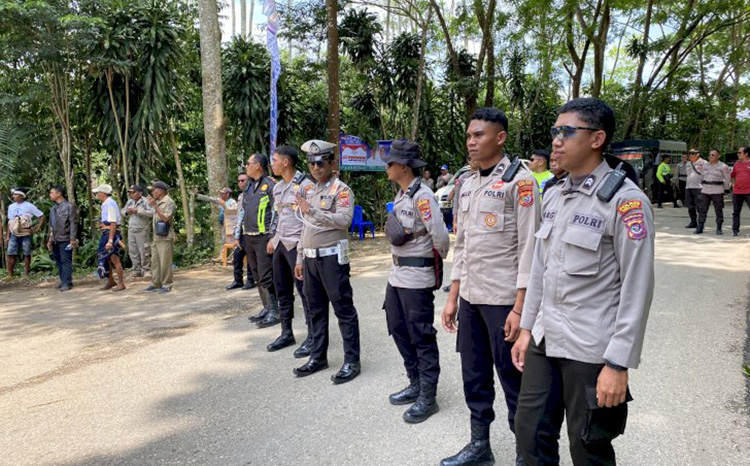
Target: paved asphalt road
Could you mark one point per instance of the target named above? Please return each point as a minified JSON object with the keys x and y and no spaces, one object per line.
{"x":212,"y":395}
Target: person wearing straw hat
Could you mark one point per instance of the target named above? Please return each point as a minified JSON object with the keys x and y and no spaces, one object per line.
{"x":21,"y":229}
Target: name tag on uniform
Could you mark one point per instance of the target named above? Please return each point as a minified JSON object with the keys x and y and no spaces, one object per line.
{"x":549,"y":215}
{"x":589,"y":221}
{"x":494,"y":193}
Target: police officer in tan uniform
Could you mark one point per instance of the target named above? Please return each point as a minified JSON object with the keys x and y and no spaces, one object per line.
{"x":498,"y":215}
{"x":283,"y":246}
{"x":323,"y":262}
{"x":715,"y":178}
{"x":693,"y":185}
{"x":589,"y":294}
{"x":419,"y":241}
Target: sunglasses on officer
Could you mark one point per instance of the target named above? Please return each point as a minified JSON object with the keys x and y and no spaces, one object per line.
{"x":319,"y":163}
{"x":564,"y":132}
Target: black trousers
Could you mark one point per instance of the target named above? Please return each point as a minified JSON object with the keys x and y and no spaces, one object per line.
{"x":737,"y":201}
{"x":692,"y":199}
{"x":553,"y":388}
{"x":327,"y":281}
{"x":481,"y":342}
{"x":64,"y":261}
{"x":681,"y":190}
{"x":283,"y":280}
{"x":664,"y":193}
{"x":238,"y":257}
{"x":259,"y":260}
{"x":410,"y":314}
{"x":718,"y":201}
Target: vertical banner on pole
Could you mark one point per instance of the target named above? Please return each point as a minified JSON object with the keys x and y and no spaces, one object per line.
{"x":269,"y":9}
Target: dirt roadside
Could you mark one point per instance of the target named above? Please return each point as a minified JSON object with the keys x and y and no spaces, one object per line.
{"x":45,"y":333}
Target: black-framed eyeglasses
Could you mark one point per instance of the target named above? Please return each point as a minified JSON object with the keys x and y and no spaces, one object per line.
{"x":319,"y":163}
{"x":564,"y":132}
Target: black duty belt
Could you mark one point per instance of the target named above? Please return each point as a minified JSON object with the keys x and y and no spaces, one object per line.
{"x":717,"y":183}
{"x":414,"y":261}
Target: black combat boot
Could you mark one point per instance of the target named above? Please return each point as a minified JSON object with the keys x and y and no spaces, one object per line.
{"x":475,"y":453}
{"x":266,"y":308}
{"x":699,"y":230}
{"x":305,"y":348}
{"x":285,"y":339}
{"x":718,"y":229}
{"x":692,"y":224}
{"x":406,"y":395}
{"x":272,"y":318}
{"x":425,"y":406}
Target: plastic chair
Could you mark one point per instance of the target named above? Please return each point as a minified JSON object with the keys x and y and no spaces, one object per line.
{"x":389,"y":207}
{"x":358,"y":223}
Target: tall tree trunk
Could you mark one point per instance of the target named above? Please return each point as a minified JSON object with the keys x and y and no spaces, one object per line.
{"x":234,"y":17}
{"x":489,"y":98}
{"x":333,"y":73}
{"x":388,"y":22}
{"x":189,"y":228}
{"x":600,"y":44}
{"x":420,"y":77}
{"x":635,"y":103}
{"x":290,"y":43}
{"x":250,"y":19}
{"x":89,"y":199}
{"x":243,"y":18}
{"x":213,"y":106}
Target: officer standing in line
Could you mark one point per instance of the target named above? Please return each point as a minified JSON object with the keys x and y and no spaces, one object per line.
{"x":682,"y":176}
{"x":323,"y":262}
{"x":693,"y":187}
{"x":256,"y":218}
{"x":417,"y":238}
{"x":715,"y":179}
{"x":588,"y":299}
{"x":238,"y":255}
{"x":140,"y":216}
{"x":283,"y":246}
{"x":498,"y":216}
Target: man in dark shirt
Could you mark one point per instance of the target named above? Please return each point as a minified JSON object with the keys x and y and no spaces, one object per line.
{"x":62,"y":236}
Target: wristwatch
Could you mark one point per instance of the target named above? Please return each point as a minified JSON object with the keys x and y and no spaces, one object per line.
{"x":615,"y":366}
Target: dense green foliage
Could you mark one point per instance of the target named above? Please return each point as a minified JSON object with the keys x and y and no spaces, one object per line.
{"x":112,"y":79}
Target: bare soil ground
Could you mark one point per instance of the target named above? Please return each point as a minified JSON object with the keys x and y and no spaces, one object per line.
{"x":86,"y":325}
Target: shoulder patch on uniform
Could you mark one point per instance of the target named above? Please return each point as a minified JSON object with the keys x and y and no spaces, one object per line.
{"x":343,"y":199}
{"x":635,"y":225}
{"x":522,"y":183}
{"x":627,"y":206}
{"x":424,"y":209}
{"x":264,"y":188}
{"x":525,"y":193}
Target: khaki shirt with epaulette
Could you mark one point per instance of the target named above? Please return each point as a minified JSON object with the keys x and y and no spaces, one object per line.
{"x":592,"y":280}
{"x":495,"y":242}
{"x":331,"y":213}
{"x":419,"y":214}
{"x":695,"y":173}
{"x":715,"y":173}
{"x":288,"y":226}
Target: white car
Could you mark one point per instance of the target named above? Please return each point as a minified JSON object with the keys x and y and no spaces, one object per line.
{"x":442,"y":194}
